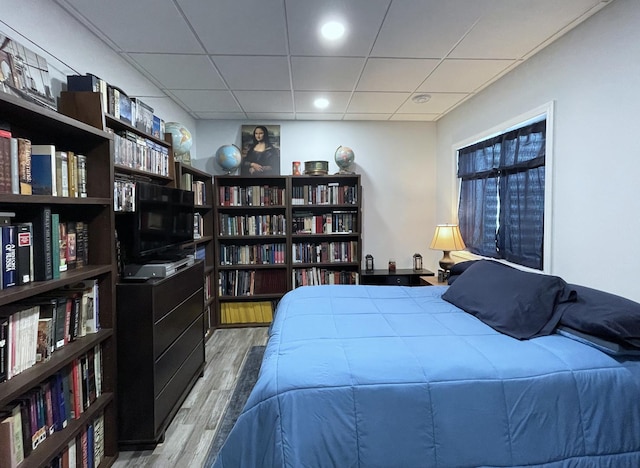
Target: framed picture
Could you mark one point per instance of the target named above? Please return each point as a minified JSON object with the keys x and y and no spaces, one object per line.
{"x":260,"y":150}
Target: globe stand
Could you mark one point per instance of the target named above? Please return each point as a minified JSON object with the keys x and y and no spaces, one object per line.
{"x":344,"y":172}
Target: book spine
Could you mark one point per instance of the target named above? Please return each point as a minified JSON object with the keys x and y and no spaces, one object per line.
{"x":5,"y":164}
{"x":43,"y":249}
{"x":43,"y":170}
{"x":24,"y":165}
{"x":9,"y":263}
{"x":24,"y":253}
{"x":55,"y":245}
{"x":15,"y":173}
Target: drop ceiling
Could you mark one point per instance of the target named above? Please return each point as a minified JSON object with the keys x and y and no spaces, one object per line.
{"x":264,"y":59}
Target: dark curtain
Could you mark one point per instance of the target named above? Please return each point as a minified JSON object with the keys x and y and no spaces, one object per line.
{"x":501,"y":210}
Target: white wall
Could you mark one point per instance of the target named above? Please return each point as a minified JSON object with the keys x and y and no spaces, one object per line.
{"x":397,"y":165}
{"x":45,"y":28}
{"x":593,"y":76}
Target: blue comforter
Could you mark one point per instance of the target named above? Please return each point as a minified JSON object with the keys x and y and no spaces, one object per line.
{"x":386,"y":376}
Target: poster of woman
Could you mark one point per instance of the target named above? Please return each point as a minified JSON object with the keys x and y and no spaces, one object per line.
{"x":260,"y":150}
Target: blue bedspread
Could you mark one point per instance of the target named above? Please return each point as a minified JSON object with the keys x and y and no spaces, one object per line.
{"x":386,"y":376}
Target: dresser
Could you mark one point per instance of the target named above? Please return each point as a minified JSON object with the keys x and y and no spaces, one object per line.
{"x":160,"y":341}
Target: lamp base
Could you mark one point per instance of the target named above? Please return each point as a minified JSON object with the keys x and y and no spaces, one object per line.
{"x":446,"y":262}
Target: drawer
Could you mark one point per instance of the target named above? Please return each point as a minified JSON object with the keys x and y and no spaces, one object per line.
{"x":169,"y":363}
{"x":170,"y":292}
{"x":167,"y":330}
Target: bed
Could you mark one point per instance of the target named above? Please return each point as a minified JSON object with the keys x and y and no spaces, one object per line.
{"x":392,"y":376}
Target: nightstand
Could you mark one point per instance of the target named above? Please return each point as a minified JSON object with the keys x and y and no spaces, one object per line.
{"x":432,"y":281}
{"x":400,"y":277}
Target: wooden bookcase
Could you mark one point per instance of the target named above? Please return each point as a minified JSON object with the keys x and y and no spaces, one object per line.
{"x":257,"y":264}
{"x":43,"y":126}
{"x":187,"y":178}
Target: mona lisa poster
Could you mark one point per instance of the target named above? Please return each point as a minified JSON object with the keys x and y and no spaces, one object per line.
{"x":260,"y":150}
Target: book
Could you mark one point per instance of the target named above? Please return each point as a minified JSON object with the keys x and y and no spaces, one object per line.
{"x":62,"y":173}
{"x":72,"y":173}
{"x":15,"y":173}
{"x":4,"y":357}
{"x":5,"y":162}
{"x":55,"y":244}
{"x":71,"y":245}
{"x":43,"y":170}
{"x":82,"y":175}
{"x":24,"y":165}
{"x":43,"y":249}
{"x":11,"y":438}
{"x":63,"y":246}
{"x":24,"y":253}
{"x":45,"y":339}
{"x":9,"y":261}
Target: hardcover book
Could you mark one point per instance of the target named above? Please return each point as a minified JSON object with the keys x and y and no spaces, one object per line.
{"x":43,"y":249}
{"x":15,"y":173}
{"x":24,"y":234}
{"x":24,"y":165}
{"x":62,"y":173}
{"x":5,"y":161}
{"x":9,"y":263}
{"x":43,"y":170}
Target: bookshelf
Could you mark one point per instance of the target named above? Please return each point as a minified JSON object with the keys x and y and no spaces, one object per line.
{"x":190,"y":178}
{"x":43,"y":126}
{"x":274,"y":234}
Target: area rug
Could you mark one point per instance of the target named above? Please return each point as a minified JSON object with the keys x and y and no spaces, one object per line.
{"x":244,"y":385}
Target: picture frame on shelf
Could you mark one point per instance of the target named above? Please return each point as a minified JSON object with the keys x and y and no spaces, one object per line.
{"x":260,"y":150}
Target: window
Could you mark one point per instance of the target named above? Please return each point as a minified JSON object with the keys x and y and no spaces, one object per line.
{"x":501,"y":208}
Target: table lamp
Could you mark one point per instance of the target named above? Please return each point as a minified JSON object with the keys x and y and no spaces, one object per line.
{"x":447,"y":238}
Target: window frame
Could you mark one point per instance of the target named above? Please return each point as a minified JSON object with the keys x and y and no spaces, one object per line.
{"x":545,"y":111}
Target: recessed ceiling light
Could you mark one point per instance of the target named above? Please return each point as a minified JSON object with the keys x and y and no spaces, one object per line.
{"x":332,"y":30}
{"x":421,"y":98}
{"x":321,"y":103}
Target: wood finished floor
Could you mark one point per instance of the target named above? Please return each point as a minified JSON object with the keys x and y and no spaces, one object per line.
{"x":191,"y":432}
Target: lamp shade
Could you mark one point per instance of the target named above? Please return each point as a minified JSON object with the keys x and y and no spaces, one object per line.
{"x":447,"y":237}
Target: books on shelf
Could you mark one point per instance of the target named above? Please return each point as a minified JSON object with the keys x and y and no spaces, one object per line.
{"x":246,"y":312}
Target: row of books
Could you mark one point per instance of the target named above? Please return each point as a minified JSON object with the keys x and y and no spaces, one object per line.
{"x":255,"y":195}
{"x":86,"y":450}
{"x":198,"y":188}
{"x":324,"y":194}
{"x":251,"y":282}
{"x":118,"y":104}
{"x":246,"y":312}
{"x":325,"y":252}
{"x":33,"y":329}
{"x":255,"y":254}
{"x":252,"y":225}
{"x":136,"y":152}
{"x":30,"y":169}
{"x":316,"y":276}
{"x":124,"y":194}
{"x":337,"y":222}
{"x":198,"y":226}
{"x":49,"y":407}
{"x":41,"y":249}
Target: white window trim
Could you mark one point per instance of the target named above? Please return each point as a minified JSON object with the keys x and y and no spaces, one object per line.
{"x":546,"y":111}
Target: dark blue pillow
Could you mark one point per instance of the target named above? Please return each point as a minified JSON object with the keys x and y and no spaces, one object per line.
{"x":604,"y":315}
{"x":514,"y":302}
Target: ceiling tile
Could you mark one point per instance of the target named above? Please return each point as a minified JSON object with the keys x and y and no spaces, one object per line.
{"x":377,"y":103}
{"x":221,"y":115}
{"x":463,"y":76}
{"x":254,"y":72}
{"x":259,"y":101}
{"x":395,"y":74}
{"x":270,"y":115}
{"x":132,"y":28}
{"x":415,"y":117}
{"x":206,"y":101}
{"x":362,"y":19}
{"x":355,"y":116}
{"x":318,"y":116}
{"x":512,"y":28}
{"x":180,"y":71}
{"x":337,"y":101}
{"x":243,"y":27}
{"x":439,"y":103}
{"x":325,"y":73}
{"x":426,"y":28}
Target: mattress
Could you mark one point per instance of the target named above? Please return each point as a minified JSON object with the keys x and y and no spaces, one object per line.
{"x":391,"y":376}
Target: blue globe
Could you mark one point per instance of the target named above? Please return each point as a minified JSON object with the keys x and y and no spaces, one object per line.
{"x":180,"y":137}
{"x":228,"y":158}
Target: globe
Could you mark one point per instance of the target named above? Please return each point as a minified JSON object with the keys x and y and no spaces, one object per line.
{"x":228,"y":158}
{"x":344,"y":159}
{"x":180,"y":138}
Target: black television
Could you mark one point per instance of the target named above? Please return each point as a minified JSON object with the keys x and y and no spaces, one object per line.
{"x":161,"y":223}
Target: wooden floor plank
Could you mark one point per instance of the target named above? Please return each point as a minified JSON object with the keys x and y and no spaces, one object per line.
{"x":189,"y":436}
